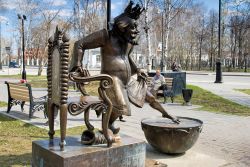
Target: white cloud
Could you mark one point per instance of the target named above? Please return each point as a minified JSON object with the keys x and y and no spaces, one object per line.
{"x":118,"y":5}
{"x":56,"y":2}
{"x":113,"y":6}
{"x":62,"y":13}
{"x":59,"y":2}
{"x":9,"y":5}
{"x":3,"y":18}
{"x":66,"y":13}
{"x":233,"y":13}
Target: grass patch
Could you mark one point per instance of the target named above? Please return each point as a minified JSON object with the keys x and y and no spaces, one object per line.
{"x":16,"y":140}
{"x":246,"y":91}
{"x":91,"y":88}
{"x":3,"y":104}
{"x":41,"y":82}
{"x":214,"y":103}
{"x":16,"y":136}
{"x":34,"y":80}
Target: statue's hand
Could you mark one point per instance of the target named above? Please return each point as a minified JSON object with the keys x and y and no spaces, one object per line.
{"x":173,"y":118}
{"x":142,"y":75}
{"x":83,"y":72}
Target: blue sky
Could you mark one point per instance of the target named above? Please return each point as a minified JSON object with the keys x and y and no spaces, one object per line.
{"x":211,"y":4}
{"x":10,"y":14}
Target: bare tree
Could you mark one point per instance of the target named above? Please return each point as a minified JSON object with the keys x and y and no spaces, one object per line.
{"x":213,"y":40}
{"x":88,"y":16}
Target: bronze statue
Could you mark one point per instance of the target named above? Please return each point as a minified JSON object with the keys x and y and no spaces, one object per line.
{"x":116,"y":47}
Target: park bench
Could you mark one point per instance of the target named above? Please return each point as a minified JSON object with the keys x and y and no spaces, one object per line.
{"x":20,"y":93}
{"x":168,"y":86}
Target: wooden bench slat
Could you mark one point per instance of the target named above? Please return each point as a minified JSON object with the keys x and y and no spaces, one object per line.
{"x":19,"y":94}
{"x":21,"y":86}
{"x":19,"y":90}
{"x":14,"y":92}
{"x":18,"y":87}
{"x":20,"y":97}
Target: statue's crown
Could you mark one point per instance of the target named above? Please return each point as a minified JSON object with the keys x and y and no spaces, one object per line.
{"x":133,"y":12}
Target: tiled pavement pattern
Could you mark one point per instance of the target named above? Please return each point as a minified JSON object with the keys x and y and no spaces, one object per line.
{"x":223,"y":142}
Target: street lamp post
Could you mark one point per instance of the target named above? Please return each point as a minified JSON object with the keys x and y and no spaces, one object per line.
{"x":162,"y":42}
{"x":7,"y":48}
{"x":1,"y":67}
{"x":23,"y":18}
{"x":218,"y":63}
{"x":108,"y":14}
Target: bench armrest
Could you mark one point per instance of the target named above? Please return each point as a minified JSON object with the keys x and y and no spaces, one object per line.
{"x":41,"y":98}
{"x":106,"y":80}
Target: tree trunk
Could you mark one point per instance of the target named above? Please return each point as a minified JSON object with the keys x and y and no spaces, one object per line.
{"x":41,"y":66}
{"x":148,"y":47}
{"x":199,"y":65}
{"x":167,"y":30}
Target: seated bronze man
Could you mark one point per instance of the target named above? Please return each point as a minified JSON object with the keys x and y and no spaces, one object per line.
{"x":116,"y":47}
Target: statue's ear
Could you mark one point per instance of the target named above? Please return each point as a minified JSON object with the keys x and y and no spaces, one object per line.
{"x":121,"y":27}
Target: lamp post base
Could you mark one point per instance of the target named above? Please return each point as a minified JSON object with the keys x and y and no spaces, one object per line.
{"x":24,"y":75}
{"x":218,"y":73}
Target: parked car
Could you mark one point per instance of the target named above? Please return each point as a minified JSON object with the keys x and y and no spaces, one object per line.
{"x":13,"y":65}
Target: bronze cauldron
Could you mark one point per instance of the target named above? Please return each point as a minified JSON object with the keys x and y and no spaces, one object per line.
{"x":169,"y":137}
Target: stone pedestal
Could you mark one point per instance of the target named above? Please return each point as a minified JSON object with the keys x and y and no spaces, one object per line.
{"x":128,"y":152}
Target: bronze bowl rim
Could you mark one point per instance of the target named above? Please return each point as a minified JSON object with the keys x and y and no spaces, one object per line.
{"x":178,"y":127}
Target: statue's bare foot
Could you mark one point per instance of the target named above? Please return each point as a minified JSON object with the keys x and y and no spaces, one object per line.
{"x":114,"y":130}
{"x":117,"y":138}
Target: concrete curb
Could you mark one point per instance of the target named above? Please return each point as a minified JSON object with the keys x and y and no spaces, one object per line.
{"x":223,"y":74}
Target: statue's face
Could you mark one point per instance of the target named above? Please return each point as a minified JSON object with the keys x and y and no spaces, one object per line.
{"x":131,"y":32}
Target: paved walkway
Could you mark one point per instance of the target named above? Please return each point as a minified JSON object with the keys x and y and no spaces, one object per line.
{"x":227,"y":89}
{"x":223,"y":142}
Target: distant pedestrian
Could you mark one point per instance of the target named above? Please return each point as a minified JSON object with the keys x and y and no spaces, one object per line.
{"x":174,"y":66}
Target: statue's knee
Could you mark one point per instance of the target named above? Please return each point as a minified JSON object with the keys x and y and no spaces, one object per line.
{"x":150,"y":99}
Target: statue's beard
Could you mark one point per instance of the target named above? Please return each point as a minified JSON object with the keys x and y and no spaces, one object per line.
{"x":132,"y":40}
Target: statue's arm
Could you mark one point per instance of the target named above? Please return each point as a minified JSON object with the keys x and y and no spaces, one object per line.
{"x":94,"y":40}
{"x":134,"y":68}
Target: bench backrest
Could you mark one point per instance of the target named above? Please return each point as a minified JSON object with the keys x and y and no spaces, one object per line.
{"x":57,"y":71}
{"x":169,"y":82}
{"x":19,"y":91}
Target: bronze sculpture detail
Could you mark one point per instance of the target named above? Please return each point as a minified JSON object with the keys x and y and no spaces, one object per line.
{"x":116,"y":47}
{"x":57,"y":76}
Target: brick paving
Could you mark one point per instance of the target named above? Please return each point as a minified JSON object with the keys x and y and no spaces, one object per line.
{"x":223,"y":142}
